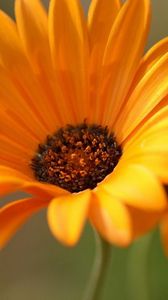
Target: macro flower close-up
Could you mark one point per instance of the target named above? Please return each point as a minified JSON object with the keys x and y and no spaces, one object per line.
{"x":84,"y":119}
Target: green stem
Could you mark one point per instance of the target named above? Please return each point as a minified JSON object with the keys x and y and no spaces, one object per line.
{"x":98,"y":275}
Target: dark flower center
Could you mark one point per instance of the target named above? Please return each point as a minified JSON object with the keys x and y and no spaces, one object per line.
{"x":76,"y":158}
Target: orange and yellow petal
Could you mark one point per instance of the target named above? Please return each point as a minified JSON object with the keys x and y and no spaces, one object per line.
{"x":110,"y":217}
{"x":10,"y":47}
{"x":25,"y":87}
{"x":32,"y":25}
{"x":10,"y":180}
{"x":151,"y":57}
{"x":156,"y":162}
{"x":143,"y":221}
{"x":101,"y":17}
{"x":122,"y":55}
{"x":69,"y":49}
{"x":155,"y":122}
{"x":41,"y":189}
{"x":17,"y":131}
{"x":149,"y":144}
{"x":151,"y":137}
{"x":150,"y":91}
{"x":15,"y":104}
{"x":15,"y":214}
{"x":129,"y":182}
{"x":67,"y":216}
{"x":18,"y":144}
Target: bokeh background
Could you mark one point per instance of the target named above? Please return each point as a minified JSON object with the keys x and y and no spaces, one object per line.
{"x":34,"y":266}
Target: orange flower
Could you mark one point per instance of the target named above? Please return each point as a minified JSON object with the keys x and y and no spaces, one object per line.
{"x":57,"y":70}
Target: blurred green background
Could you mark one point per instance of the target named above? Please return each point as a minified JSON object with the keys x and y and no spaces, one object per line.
{"x":34,"y":266}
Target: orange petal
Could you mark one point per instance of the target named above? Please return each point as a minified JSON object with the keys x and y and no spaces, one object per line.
{"x":15,"y":214}
{"x":143,"y":221}
{"x":14,"y":100}
{"x":46,"y":190}
{"x":17,"y":133}
{"x":67,"y":215}
{"x":135,"y":185}
{"x":101,"y":17}
{"x":149,"y":144}
{"x":122,"y":55}
{"x":14,"y":155}
{"x":33,"y":29}
{"x":15,"y":105}
{"x":69,"y":49}
{"x":111,"y":218}
{"x":9,"y":42}
{"x":149,"y":60}
{"x":154,"y":141}
{"x":148,"y":93}
{"x":23,"y":85}
{"x":12,"y":149}
{"x":156,"y":123}
{"x":157,"y":163}
{"x":10,"y":180}
{"x":32,"y":25}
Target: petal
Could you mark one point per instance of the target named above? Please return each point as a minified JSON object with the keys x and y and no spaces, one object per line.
{"x":111,"y":218}
{"x":101,"y":17}
{"x":157,"y":163}
{"x":155,"y":122}
{"x":149,"y":92}
{"x":154,"y":143}
{"x":13,"y":149}
{"x":15,"y":130}
{"x":143,"y":221}
{"x":33,"y":29}
{"x":9,"y":42}
{"x":16,"y":103}
{"x":18,"y":143}
{"x":32,"y":25}
{"x":24,"y":94}
{"x":67,"y":215}
{"x":149,"y":60}
{"x":46,"y":190}
{"x":149,"y":144}
{"x":15,"y":214}
{"x":122,"y":55}
{"x":69,"y":49}
{"x":135,"y":185}
{"x":10,"y":180}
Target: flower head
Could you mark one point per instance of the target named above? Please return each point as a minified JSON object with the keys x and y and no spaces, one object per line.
{"x":84,"y":118}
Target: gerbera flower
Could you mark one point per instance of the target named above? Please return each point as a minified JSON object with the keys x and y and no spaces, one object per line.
{"x":83,"y":118}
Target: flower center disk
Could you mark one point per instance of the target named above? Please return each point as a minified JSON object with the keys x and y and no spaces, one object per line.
{"x":76,"y":158}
